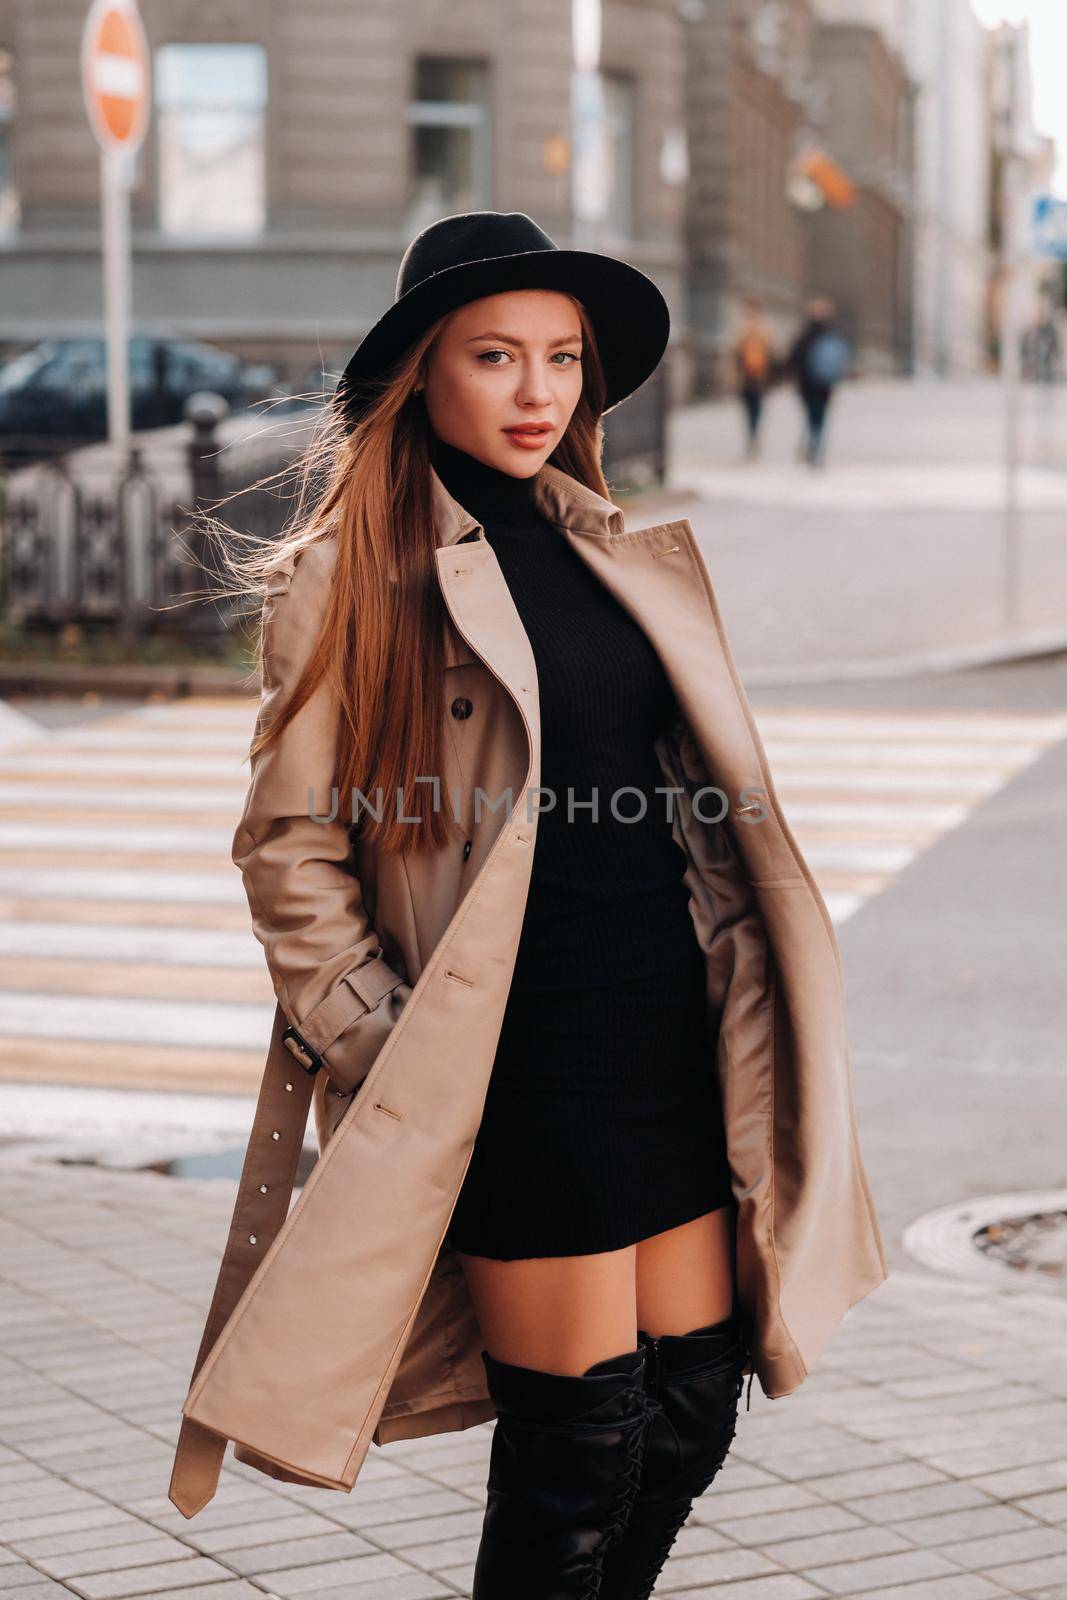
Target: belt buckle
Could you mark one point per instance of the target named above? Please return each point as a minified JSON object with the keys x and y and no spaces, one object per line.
{"x":298,"y":1047}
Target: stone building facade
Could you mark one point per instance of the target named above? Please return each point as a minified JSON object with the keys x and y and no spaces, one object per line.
{"x":747,"y":83}
{"x":336,"y":129}
{"x":945,"y":49}
{"x":861,"y":255}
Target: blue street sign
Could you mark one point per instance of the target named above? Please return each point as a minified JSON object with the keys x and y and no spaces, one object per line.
{"x":1048,"y":227}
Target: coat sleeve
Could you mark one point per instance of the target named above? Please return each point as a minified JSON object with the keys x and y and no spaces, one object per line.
{"x":323,"y":954}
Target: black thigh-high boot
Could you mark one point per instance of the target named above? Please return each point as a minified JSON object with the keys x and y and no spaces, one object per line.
{"x":563,"y":1472}
{"x":693,"y":1383}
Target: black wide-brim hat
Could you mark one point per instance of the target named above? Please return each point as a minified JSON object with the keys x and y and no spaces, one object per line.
{"x":477,"y":253}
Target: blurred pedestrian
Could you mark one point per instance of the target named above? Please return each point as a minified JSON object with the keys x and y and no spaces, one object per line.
{"x":754,"y":359}
{"x":1042,"y":349}
{"x":819,"y":359}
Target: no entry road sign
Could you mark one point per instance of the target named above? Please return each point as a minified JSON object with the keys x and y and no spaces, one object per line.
{"x":117,"y":85}
{"x":116,"y":77}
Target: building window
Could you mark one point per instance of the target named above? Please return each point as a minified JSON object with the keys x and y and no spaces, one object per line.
{"x":450,"y":139}
{"x":210,"y":114}
{"x":620,"y":112}
{"x":9,"y":195}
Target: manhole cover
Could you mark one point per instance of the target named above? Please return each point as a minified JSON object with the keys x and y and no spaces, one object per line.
{"x":1000,"y":1238}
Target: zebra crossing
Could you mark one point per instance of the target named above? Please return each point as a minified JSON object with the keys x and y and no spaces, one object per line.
{"x":867,"y":791}
{"x":127,"y":959}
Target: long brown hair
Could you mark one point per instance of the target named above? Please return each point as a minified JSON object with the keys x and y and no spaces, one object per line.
{"x":382,"y":640}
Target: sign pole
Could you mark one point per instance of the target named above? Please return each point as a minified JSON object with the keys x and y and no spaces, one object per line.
{"x":1009,"y":142}
{"x":116,"y":85}
{"x":1010,"y":335}
{"x":115,"y":219}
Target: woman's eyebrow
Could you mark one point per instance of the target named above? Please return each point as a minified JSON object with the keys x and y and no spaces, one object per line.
{"x":507,"y":338}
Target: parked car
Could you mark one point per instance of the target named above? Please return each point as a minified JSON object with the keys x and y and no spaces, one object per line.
{"x":57,"y":390}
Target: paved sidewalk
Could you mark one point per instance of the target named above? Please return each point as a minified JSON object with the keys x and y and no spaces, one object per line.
{"x":892,"y":558}
{"x":924,"y":1459}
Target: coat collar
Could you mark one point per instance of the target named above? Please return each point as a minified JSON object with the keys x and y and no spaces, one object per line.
{"x":560,"y":498}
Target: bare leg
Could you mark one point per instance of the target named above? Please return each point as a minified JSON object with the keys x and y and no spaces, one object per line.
{"x":685,"y":1282}
{"x":556,"y":1313}
{"x":565,"y":1374}
{"x":685,"y":1276}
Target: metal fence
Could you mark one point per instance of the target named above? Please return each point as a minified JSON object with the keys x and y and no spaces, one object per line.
{"x":73,"y":549}
{"x":85,"y":540}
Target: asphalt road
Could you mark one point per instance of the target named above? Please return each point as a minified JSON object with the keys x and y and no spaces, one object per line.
{"x":955,"y":973}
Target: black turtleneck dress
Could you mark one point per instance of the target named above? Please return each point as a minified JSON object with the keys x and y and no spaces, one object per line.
{"x":602,"y":1122}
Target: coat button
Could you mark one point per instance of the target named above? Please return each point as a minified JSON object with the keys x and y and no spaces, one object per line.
{"x":461,"y":707}
{"x":467,"y":849}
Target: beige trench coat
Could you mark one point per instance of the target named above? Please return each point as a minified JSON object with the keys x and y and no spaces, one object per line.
{"x":344,"y":1318}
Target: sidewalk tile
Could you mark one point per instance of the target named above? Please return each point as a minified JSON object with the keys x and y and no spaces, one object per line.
{"x":1026,"y":1545}
{"x":408,"y":1586}
{"x":1032,"y":1478}
{"x":927,"y":1500}
{"x":973,"y":1522}
{"x":802,"y":1523}
{"x":877,"y":1480}
{"x":852,"y":1544}
{"x":252,"y":1560}
{"x":968,"y":1586}
{"x":151,"y":1580}
{"x":716,"y":1566}
{"x":720,"y":1507}
{"x":846,"y":1456}
{"x":237,"y":1536}
{"x":40,"y":1588}
{"x":426,"y":1530}
{"x":451,"y":1552}
{"x":232,"y":1589}
{"x":1023,"y":1577}
{"x":67,"y":1519}
{"x":778,"y":1586}
{"x":108,"y":1536}
{"x":148,"y":1552}
{"x":1051,"y":1507}
{"x":853,"y":1577}
{"x":353,"y":1574}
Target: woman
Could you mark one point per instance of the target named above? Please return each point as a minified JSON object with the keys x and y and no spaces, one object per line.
{"x":754,"y":361}
{"x":512,"y":1018}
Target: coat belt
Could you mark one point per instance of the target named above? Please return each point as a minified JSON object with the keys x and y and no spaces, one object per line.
{"x":264,"y":1191}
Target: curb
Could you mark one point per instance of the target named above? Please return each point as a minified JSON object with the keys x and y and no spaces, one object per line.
{"x":998,"y":652}
{"x":134,"y":682}
{"x":29,"y":678}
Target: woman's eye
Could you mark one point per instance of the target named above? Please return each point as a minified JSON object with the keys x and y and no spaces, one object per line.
{"x":567,"y":357}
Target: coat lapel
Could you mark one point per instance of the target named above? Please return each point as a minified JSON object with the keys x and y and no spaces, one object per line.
{"x":659,"y":575}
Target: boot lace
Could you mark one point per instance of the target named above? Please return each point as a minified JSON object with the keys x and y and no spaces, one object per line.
{"x":721,"y":1437}
{"x":636,"y":1438}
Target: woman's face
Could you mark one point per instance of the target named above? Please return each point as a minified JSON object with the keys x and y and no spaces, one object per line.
{"x":504,"y":376}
